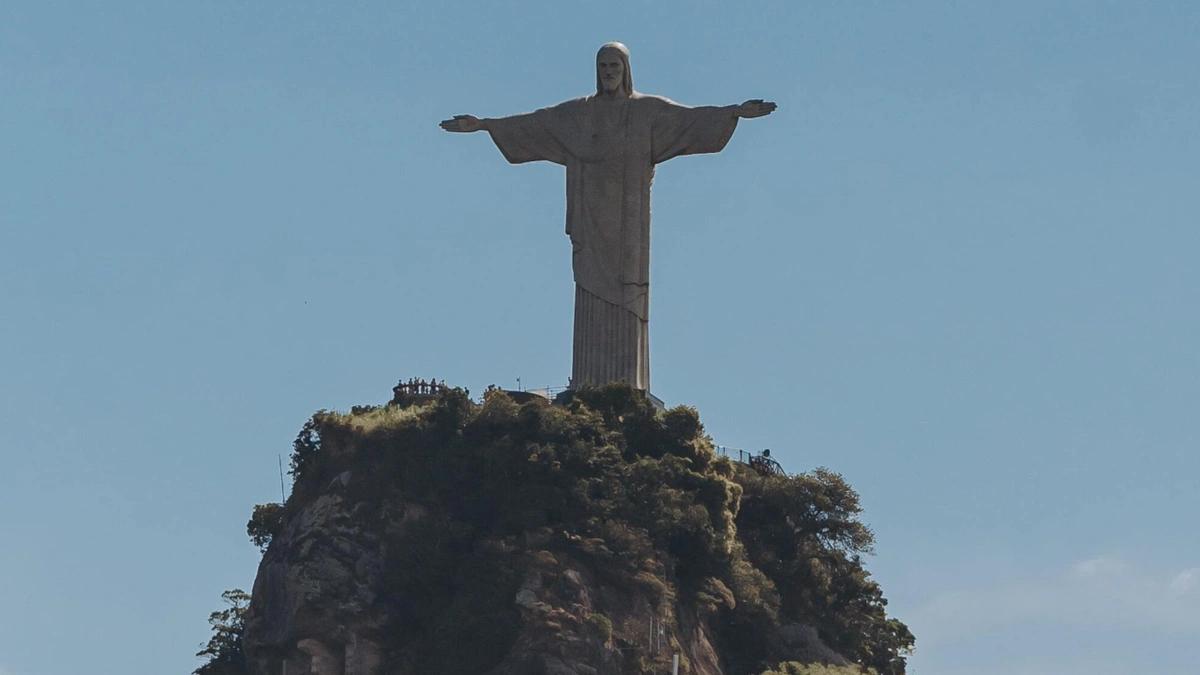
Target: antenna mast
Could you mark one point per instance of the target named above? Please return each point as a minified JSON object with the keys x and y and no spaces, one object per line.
{"x":282,"y":494}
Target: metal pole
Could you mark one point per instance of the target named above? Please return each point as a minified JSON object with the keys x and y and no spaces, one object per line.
{"x":282,"y":494}
{"x":675,"y":664}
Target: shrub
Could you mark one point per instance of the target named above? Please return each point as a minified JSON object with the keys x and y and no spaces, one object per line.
{"x":264,"y":524}
{"x":602,"y":625}
{"x":306,"y":447}
{"x":795,"y":668}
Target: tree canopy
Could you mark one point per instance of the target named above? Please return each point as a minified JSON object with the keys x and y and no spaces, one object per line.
{"x":224,"y":648}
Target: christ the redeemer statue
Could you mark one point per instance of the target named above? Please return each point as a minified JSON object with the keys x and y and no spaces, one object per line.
{"x":609,"y":143}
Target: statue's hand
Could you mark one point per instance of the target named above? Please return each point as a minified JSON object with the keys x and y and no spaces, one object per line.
{"x":755,"y":107}
{"x":462,"y":123}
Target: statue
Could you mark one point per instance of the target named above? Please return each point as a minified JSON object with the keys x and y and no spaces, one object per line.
{"x":609,"y":142}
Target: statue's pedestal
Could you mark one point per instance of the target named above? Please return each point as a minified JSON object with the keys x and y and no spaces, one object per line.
{"x":658,"y":402}
{"x":523,"y":396}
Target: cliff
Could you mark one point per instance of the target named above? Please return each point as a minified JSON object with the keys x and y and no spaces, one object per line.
{"x":596,"y":535}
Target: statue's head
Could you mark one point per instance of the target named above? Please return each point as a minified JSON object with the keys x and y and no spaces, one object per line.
{"x":613,"y":75}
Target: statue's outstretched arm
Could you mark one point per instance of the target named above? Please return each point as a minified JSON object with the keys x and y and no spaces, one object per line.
{"x":464,"y":124}
{"x":755,"y":107}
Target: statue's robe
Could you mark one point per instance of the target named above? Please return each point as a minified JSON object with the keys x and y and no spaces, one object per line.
{"x":610,"y":147}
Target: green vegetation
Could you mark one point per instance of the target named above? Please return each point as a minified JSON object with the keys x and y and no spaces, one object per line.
{"x":264,"y":524}
{"x":794,"y":668}
{"x":803,"y":532}
{"x":639,"y":494}
{"x":602,"y":625}
{"x":224,"y":648}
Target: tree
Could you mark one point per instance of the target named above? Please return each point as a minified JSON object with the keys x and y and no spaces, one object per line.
{"x":224,"y":649}
{"x":264,"y":524}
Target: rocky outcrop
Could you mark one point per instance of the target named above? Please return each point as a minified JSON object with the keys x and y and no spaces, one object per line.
{"x":595,"y":537}
{"x":314,"y":608}
{"x":317,"y":608}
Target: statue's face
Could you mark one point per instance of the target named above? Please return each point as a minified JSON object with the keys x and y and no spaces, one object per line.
{"x":611,"y":69}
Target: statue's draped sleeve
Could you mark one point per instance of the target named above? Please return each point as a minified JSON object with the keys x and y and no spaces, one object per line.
{"x":530,"y":137}
{"x":682,"y":130}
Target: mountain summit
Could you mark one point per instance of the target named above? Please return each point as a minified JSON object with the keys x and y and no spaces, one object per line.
{"x":593,"y":535}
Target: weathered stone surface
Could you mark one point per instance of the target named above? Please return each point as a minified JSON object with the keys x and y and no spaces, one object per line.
{"x":323,"y":660}
{"x":315,"y":592}
{"x":363,"y":657}
{"x":315,"y":605}
{"x":804,"y":642}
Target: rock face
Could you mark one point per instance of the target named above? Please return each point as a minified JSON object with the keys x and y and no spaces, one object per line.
{"x":597,"y":537}
{"x":317,"y":608}
{"x":314,"y":609}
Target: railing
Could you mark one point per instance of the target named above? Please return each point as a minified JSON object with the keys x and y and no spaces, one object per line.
{"x":761,"y":462}
{"x":418,"y":387}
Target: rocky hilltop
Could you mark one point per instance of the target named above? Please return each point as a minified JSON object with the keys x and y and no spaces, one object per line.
{"x":595,"y":536}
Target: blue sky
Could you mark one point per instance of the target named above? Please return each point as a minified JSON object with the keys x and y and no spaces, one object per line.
{"x":958,"y":265}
